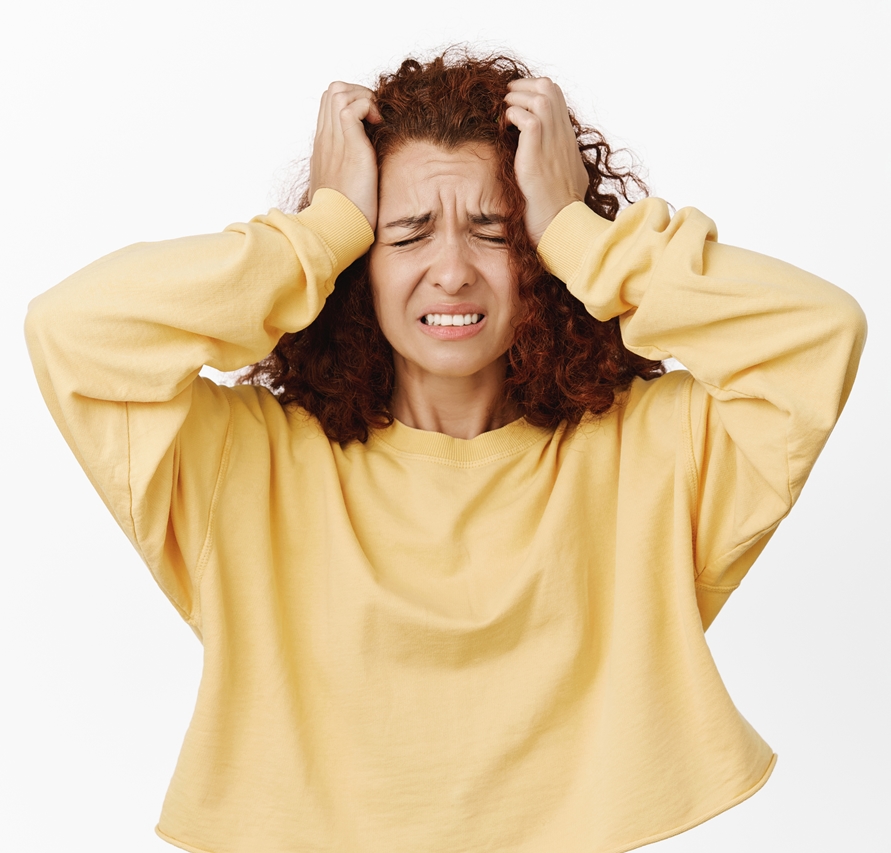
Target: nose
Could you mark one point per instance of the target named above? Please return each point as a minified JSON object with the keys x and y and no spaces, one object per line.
{"x":453,"y":269}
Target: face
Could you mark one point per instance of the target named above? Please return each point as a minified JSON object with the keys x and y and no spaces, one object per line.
{"x":443,"y":290}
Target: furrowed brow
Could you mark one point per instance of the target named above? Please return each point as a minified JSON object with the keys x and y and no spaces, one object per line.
{"x":411,"y":221}
{"x":488,"y":219}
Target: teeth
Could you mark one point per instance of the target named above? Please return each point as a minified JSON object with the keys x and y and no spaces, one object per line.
{"x":452,"y":319}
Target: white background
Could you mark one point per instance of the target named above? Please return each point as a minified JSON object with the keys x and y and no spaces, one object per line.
{"x":125,"y":122}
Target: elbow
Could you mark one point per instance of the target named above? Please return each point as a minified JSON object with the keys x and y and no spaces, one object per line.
{"x":849,"y":321}
{"x":843,"y":339}
{"x":51,"y":324}
{"x":858,"y":324}
{"x":53,"y":316}
{"x":38,"y":320}
{"x":851,"y":331}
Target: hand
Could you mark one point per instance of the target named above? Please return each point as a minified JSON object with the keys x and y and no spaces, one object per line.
{"x":548,"y":165}
{"x":342,"y":157}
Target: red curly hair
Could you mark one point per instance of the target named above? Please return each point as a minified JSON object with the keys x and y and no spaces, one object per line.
{"x":563,"y":363}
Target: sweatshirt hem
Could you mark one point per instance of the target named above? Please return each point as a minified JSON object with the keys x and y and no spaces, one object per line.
{"x":634,"y":846}
{"x":177,"y":843}
{"x":698,"y":821}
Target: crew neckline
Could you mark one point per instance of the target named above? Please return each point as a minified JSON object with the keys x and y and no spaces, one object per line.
{"x":497,"y":443}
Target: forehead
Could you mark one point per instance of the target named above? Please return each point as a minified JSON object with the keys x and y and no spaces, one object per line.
{"x":421,"y":174}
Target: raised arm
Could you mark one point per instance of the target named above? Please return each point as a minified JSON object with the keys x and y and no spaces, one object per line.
{"x":118,"y":346}
{"x":773,"y":349}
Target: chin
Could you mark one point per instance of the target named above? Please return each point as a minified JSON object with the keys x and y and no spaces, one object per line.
{"x":456,"y":367}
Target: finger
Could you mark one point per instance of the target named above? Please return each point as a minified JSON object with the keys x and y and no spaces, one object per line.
{"x":534,"y":96}
{"x":350,"y":108}
{"x":548,"y":108}
{"x":374,"y":114}
{"x":541,"y":85}
{"x":531,"y":84}
{"x":335,"y":98}
{"x":534,"y":103}
{"x":354,"y":112}
{"x":322,"y":119}
{"x":348,"y":91}
{"x":528,"y":123}
{"x":540,"y":96}
{"x":352,"y":138}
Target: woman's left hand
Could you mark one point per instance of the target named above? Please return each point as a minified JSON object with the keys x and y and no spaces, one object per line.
{"x":548,"y":165}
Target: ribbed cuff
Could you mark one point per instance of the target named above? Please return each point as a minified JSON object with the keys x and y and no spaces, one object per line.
{"x":565,"y":243}
{"x":340,"y":225}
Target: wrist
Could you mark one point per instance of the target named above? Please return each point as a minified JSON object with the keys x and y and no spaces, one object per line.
{"x":565,"y":241}
{"x":340,"y":224}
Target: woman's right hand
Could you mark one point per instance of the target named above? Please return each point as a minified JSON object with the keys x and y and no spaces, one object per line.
{"x":342,"y":157}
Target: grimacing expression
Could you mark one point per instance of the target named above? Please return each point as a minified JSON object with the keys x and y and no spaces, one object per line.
{"x":444,"y":294}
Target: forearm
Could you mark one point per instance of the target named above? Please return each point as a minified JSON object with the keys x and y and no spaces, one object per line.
{"x":139,"y":324}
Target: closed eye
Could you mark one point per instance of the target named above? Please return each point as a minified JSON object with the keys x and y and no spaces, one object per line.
{"x":400,"y":243}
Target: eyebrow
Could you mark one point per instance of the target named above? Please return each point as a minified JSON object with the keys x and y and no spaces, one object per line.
{"x":488,"y":219}
{"x":427,"y":218}
{"x":411,"y":221}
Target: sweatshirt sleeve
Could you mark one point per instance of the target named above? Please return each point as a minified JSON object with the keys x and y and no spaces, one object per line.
{"x":773,"y":352}
{"x":117,"y":349}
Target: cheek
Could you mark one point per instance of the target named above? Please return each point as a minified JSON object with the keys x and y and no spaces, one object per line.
{"x":376,"y":275}
{"x":508,"y":289}
{"x":512,"y":300}
{"x":384,"y":298}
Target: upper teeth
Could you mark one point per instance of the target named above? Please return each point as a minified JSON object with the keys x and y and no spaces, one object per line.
{"x":452,"y":319}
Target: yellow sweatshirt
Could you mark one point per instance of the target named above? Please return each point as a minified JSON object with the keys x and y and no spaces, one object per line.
{"x":429,"y":645}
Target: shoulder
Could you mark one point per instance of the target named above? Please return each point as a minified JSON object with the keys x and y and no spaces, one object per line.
{"x":256,"y":415}
{"x":645,"y":406}
{"x":645,"y":423}
{"x":655,"y":399}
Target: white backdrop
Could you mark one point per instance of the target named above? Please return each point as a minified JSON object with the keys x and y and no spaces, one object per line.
{"x":126,"y":122}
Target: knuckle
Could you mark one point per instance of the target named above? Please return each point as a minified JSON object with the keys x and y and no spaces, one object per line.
{"x":541,"y":102}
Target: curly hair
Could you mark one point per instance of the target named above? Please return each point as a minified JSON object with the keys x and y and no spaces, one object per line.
{"x":563,"y":364}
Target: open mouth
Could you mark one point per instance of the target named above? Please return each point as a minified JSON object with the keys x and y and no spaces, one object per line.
{"x":451,"y":319}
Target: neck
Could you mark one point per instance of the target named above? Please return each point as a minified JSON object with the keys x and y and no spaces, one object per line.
{"x":462,"y":407}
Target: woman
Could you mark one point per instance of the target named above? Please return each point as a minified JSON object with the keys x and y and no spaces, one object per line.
{"x":452,"y":581}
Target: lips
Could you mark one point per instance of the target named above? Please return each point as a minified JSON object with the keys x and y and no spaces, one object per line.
{"x":452,"y":322}
{"x":451,"y":308}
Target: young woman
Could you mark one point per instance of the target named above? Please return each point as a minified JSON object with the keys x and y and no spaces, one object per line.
{"x":452,"y":576}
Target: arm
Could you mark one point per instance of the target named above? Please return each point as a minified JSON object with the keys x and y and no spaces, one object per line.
{"x":117,"y":348}
{"x":773,"y":350}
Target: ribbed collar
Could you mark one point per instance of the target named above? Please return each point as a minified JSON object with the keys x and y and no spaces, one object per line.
{"x":513,"y":438}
